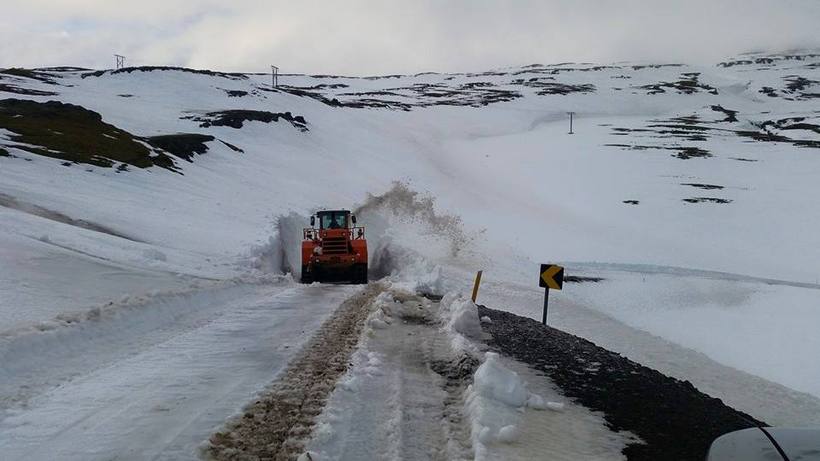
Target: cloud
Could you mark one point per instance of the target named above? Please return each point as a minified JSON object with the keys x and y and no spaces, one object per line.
{"x":390,"y":36}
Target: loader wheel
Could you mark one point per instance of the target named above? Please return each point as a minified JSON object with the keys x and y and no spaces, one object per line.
{"x":360,"y":274}
{"x":307,"y":277}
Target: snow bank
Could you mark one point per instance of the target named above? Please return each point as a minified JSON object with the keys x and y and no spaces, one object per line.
{"x":494,"y":381}
{"x":495,"y":404}
{"x":496,"y":400}
{"x":464,"y":318}
{"x":460,"y":318}
{"x":280,"y":253}
{"x":70,"y":342}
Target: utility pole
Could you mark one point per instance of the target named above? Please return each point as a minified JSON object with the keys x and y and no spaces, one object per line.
{"x":570,"y":122}
{"x":274,"y":76}
{"x":120,"y":61}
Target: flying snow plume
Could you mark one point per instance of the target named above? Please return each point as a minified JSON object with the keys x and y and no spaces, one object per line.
{"x":403,"y":207}
{"x":406,"y":235}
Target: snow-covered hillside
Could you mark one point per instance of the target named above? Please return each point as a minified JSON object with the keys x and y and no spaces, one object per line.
{"x":691,"y":190}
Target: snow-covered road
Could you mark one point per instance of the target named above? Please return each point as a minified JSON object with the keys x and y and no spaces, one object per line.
{"x":143,"y":389}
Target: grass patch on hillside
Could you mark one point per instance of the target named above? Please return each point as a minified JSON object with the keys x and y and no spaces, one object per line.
{"x":29,"y":73}
{"x":75,"y":134}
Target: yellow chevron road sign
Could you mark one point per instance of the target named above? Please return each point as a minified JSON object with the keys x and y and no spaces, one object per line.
{"x":552,"y":276}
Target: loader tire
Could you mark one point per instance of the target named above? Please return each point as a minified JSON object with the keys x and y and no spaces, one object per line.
{"x":307,"y":277}
{"x":360,"y":274}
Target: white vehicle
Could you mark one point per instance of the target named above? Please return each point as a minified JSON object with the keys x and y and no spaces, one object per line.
{"x":767,"y":443}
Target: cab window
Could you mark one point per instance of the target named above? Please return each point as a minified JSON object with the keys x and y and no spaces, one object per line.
{"x":333,"y":220}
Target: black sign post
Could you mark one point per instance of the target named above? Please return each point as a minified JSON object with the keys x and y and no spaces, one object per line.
{"x":551,"y":276}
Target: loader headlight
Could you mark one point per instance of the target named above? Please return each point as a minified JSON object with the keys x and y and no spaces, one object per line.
{"x":317,"y":250}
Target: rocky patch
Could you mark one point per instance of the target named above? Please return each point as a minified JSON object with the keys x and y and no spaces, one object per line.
{"x":768,"y":60}
{"x":584,"y":279}
{"x":236,"y":118}
{"x":706,"y":200}
{"x":182,"y":145}
{"x":235,"y":93}
{"x":685,"y":153}
{"x":550,"y":88}
{"x":795,"y":88}
{"x":692,"y":128}
{"x":731,"y":115}
{"x":702,"y":186}
{"x":687,"y":84}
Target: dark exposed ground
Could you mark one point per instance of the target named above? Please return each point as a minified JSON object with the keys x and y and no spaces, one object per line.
{"x":765,"y":60}
{"x":702,"y":186}
{"x":688,"y":83}
{"x":236,"y":118}
{"x":236,"y":93}
{"x":128,"y":70}
{"x":584,"y":279}
{"x":731,"y":115}
{"x":24,"y":91}
{"x":707,"y":200}
{"x":78,"y":135}
{"x":30,"y":73}
{"x":182,"y":145}
{"x":667,"y":134}
{"x":673,"y":418}
{"x":75,"y":134}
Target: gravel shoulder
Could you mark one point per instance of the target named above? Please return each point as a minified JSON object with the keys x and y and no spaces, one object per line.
{"x":673,"y":418}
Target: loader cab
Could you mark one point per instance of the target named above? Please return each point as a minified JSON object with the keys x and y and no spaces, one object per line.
{"x":335,"y":219}
{"x":334,"y":249}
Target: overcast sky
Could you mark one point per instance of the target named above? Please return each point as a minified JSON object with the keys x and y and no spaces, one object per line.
{"x":360,"y":37}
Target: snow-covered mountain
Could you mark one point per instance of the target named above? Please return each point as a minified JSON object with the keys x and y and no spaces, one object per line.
{"x":691,"y":190}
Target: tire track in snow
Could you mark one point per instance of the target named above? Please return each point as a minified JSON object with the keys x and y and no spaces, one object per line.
{"x":276,"y":425}
{"x":404,"y":395}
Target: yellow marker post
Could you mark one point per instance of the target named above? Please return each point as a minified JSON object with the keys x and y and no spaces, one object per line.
{"x":477,"y":283}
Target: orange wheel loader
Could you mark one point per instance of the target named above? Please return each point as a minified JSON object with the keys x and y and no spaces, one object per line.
{"x":335,"y":250}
